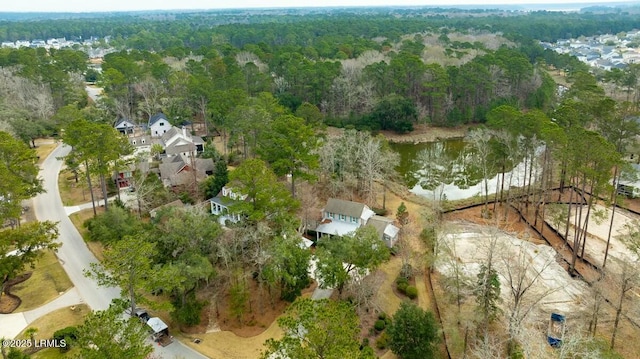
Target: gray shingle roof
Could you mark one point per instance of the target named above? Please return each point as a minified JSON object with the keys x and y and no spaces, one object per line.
{"x":157,"y":117}
{"x":347,"y":208}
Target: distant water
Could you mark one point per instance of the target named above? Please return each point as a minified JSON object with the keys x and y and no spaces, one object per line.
{"x":450,"y":169}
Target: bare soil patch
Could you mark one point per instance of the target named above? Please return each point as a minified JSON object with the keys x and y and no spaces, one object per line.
{"x":260,"y":312}
{"x":8,"y":301}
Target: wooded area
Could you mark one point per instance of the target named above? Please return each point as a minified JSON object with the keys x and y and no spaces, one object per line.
{"x":293,"y":108}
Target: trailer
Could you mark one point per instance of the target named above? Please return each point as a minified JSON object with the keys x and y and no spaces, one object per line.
{"x":159,"y":331}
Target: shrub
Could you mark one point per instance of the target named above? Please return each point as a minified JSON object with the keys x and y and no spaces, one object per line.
{"x":402,"y":287}
{"x":379,"y":325}
{"x":189,"y":313}
{"x":68,"y":334}
{"x":388,"y":321}
{"x":382,"y":316}
{"x":383,"y":341}
{"x":402,"y":283}
{"x":411,"y":292}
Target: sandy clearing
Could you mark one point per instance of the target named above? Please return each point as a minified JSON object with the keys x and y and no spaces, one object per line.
{"x":599,"y":230}
{"x":561,"y":293}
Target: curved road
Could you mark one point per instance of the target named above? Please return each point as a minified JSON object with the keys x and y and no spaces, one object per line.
{"x":74,"y":254}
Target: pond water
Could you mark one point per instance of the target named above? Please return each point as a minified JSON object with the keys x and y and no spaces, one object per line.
{"x":450,"y":169}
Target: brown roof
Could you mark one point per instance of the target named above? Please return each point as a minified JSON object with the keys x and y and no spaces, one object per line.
{"x":177,"y":203}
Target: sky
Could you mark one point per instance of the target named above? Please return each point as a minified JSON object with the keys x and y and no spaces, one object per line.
{"x":131,"y":5}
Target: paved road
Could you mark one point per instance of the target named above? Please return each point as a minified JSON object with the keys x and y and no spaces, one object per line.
{"x":74,"y":254}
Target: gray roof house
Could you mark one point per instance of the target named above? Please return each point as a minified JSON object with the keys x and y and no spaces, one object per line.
{"x":125,"y":126}
{"x":179,"y":171}
{"x":340,"y":217}
{"x":181,"y":142}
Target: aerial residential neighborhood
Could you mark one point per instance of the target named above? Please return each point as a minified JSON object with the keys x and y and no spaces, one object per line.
{"x":396,"y":182}
{"x":605,"y":52}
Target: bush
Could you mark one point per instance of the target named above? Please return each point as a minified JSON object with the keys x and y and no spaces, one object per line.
{"x":411,"y":292}
{"x":401,"y":284}
{"x":383,"y":341}
{"x":189,"y":314}
{"x":68,"y":334}
{"x":382,"y":316}
{"x":402,"y":288}
{"x":379,"y":325}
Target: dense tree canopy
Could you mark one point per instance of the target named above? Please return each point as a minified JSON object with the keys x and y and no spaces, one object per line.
{"x":18,"y":177}
{"x":413,"y":333}
{"x":317,"y":329}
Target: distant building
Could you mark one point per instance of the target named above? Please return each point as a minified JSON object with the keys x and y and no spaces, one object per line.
{"x":125,"y":126}
{"x":159,"y":125}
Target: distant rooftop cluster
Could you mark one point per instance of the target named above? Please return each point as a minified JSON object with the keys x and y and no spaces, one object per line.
{"x":59,"y":43}
{"x":604,"y":51}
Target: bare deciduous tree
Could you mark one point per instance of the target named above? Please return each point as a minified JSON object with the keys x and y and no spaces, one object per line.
{"x":521,"y":271}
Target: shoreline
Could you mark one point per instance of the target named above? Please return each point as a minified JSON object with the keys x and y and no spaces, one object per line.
{"x":425,"y":133}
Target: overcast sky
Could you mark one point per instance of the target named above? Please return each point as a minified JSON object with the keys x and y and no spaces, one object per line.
{"x":124,"y":5}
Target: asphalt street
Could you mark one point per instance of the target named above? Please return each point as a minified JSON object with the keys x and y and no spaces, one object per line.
{"x":74,"y":254}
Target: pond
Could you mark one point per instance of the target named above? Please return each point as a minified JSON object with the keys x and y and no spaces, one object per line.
{"x":450,"y":169}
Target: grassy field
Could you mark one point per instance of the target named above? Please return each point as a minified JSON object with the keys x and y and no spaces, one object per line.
{"x":46,"y":283}
{"x":53,"y":321}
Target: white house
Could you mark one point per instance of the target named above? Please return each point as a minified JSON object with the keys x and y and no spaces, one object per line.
{"x":159,"y":125}
{"x":125,"y":126}
{"x":181,"y":142}
{"x":220,"y":205}
{"x":340,"y":217}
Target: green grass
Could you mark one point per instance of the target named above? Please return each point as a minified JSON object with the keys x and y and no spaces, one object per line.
{"x":46,"y":283}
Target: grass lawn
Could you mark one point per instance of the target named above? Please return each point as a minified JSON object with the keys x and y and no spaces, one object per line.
{"x":44,"y":147}
{"x":46,"y":283}
{"x":230,"y":346}
{"x":73,"y":193}
{"x":56,"y":320}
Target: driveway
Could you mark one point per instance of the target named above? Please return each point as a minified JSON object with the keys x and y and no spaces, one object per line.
{"x":74,"y":254}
